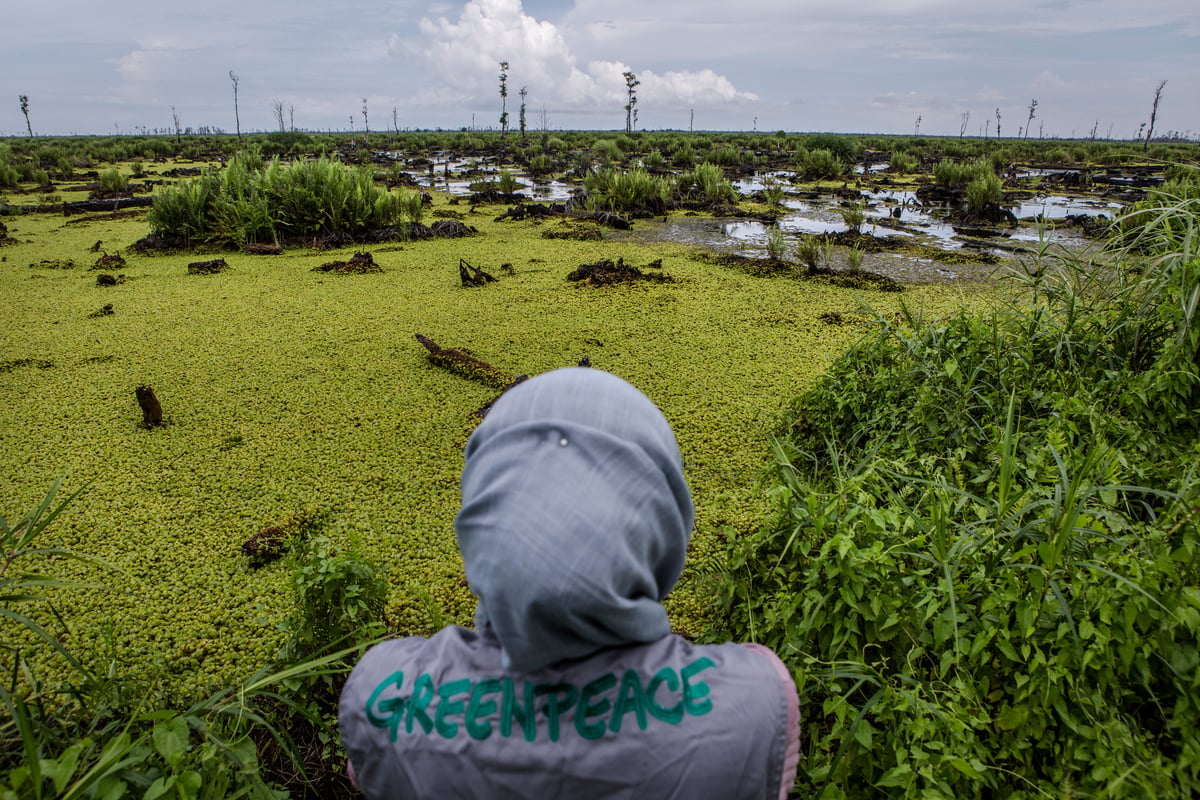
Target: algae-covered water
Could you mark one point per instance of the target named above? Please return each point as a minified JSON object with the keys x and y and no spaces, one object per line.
{"x":286,"y":389}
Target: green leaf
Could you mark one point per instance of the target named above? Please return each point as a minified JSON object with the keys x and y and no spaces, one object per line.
{"x":171,"y":740}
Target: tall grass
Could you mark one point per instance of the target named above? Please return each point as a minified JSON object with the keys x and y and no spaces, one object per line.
{"x":628,"y":191}
{"x":982,"y":567}
{"x":251,"y":202}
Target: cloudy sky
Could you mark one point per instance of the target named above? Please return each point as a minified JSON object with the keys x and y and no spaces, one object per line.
{"x":91,"y":66}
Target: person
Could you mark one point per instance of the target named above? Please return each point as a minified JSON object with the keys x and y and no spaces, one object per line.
{"x":574,"y":524}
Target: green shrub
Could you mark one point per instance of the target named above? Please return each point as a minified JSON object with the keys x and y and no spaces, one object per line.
{"x":819,"y":165}
{"x":723,"y":155}
{"x":654,"y":160}
{"x":683,"y":157}
{"x":844,"y":148}
{"x":776,"y":243}
{"x":608,"y":151}
{"x":247,"y":203}
{"x":630,"y":191}
{"x":903,"y":163}
{"x":854,"y":216}
{"x":113,"y":180}
{"x":811,"y":252}
{"x":950,"y":174}
{"x":507,"y":182}
{"x":984,"y":191}
{"x":541,"y":164}
{"x":339,"y":599}
{"x":706,"y":183}
{"x":773,"y":191}
{"x":982,"y":567}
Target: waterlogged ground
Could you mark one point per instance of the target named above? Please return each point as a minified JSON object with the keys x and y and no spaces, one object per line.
{"x":287,"y":389}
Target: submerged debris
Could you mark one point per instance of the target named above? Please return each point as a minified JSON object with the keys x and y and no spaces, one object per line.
{"x":104,"y":311}
{"x":574,"y":232}
{"x":273,"y":541}
{"x":607,"y":273}
{"x":54,"y":263}
{"x":40,"y":363}
{"x":105,"y":279}
{"x":359,"y":263}
{"x":451,"y":229}
{"x":207,"y":267}
{"x":464,"y":363}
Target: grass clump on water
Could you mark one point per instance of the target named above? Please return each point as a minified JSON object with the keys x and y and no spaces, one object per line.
{"x":249,"y":202}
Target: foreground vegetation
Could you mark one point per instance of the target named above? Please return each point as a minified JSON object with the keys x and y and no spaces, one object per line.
{"x":976,"y":519}
{"x":983,"y":563}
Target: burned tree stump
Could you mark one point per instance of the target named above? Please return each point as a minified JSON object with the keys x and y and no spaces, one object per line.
{"x":608,"y":273}
{"x":263,"y":249}
{"x":151,"y":409}
{"x":360,"y":263}
{"x":464,"y":363}
{"x":472,"y":276}
{"x":207,"y":267}
{"x":109,"y":261}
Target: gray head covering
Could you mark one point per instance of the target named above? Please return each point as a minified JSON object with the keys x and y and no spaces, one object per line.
{"x":575,"y":517}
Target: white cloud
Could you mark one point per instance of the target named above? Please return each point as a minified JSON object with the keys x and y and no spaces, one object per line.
{"x":465,"y":54}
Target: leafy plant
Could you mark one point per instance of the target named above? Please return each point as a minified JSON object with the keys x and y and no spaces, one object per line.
{"x":854,"y":216}
{"x":983,"y":560}
{"x":819,"y":164}
{"x":811,"y":253}
{"x":776,"y":243}
{"x":984,"y":191}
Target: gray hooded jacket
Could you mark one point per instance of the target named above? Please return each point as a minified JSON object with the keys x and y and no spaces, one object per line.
{"x":574,"y":526}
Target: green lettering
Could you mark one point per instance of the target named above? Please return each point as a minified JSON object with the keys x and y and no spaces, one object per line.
{"x":477,"y":707}
{"x":585,"y":709}
{"x":423,"y":692}
{"x":524,"y":713}
{"x":629,"y":698}
{"x":392,"y":706}
{"x":446,"y":706}
{"x":693,"y":692}
{"x":672,"y":714}
{"x":556,"y":706}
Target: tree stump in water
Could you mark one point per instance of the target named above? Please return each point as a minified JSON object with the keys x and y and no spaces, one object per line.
{"x":471,"y":275}
{"x":151,"y":410}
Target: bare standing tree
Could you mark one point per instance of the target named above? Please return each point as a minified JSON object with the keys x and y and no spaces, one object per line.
{"x":503,"y":97}
{"x":292,"y":117}
{"x":25,"y":110}
{"x":277,"y":108}
{"x":395,"y":120}
{"x":963,"y":119}
{"x":997,"y":123}
{"x":1032,"y":108}
{"x":521,"y":116}
{"x":366,"y":124}
{"x":917,"y":126}
{"x":631,"y":84}
{"x":1153,"y":114}
{"x":233,"y":77}
{"x":178,"y":127}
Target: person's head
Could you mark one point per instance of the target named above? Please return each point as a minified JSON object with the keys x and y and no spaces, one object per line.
{"x":575,"y":517}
